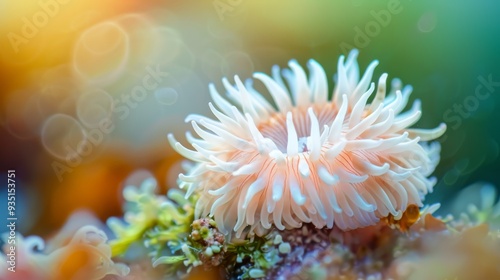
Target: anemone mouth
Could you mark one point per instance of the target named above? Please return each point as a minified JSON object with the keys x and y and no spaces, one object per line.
{"x":275,"y":127}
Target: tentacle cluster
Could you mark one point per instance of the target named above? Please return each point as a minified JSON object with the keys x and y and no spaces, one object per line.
{"x":308,"y":158}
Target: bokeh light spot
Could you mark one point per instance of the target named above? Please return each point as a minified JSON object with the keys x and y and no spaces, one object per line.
{"x":427,"y":22}
{"x":53,"y":99}
{"x":166,"y":96}
{"x":62,"y":135}
{"x":101,"y":53}
{"x":451,"y":176}
{"x":93,"y":107}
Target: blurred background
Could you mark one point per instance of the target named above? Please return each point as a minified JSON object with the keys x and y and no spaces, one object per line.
{"x":90,"y":89}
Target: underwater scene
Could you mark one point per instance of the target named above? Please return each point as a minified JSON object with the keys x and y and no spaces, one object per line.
{"x":238,"y":139}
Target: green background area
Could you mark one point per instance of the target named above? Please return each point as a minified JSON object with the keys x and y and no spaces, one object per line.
{"x":444,"y":49}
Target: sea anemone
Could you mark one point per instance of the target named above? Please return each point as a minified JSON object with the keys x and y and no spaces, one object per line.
{"x":309,"y":158}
